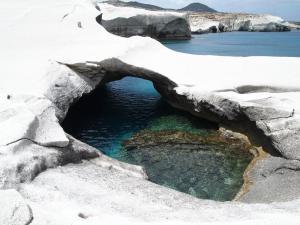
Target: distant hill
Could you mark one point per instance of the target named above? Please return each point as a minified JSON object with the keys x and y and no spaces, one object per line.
{"x":197,"y":7}
{"x":194,"y":7}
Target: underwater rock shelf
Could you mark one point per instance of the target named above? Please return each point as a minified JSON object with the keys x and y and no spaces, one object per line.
{"x":207,"y":166}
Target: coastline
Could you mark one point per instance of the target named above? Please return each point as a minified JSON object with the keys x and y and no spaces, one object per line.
{"x":126,"y":21}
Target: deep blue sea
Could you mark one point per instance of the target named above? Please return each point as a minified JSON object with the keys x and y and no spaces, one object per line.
{"x":115,"y":112}
{"x":241,"y":44}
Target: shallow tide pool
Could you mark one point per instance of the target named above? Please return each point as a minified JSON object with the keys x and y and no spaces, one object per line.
{"x":121,"y":110}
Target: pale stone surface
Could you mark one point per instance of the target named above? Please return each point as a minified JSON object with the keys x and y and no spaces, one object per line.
{"x":36,"y":119}
{"x":223,"y":22}
{"x":111,"y":11}
{"x":22,"y":161}
{"x":274,"y":170}
{"x":89,"y":194}
{"x":204,"y":22}
{"x":14,"y":210}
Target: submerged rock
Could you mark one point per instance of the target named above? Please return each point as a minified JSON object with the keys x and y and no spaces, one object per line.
{"x":205,"y":164}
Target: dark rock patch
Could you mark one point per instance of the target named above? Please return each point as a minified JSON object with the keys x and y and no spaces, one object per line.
{"x":207,"y":166}
{"x":158,"y":27}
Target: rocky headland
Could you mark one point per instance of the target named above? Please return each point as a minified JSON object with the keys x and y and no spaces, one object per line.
{"x":227,"y":22}
{"x":48,"y":177}
{"x":133,"y":18}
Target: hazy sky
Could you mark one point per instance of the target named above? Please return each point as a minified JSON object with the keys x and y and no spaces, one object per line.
{"x":288,"y":9}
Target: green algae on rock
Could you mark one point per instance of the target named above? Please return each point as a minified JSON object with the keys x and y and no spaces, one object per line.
{"x":205,"y":164}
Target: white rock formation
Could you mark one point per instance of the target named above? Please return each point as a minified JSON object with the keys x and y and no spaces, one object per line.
{"x":111,"y":12}
{"x":14,"y":209}
{"x":202,"y":22}
{"x":53,"y":52}
{"x":205,"y":22}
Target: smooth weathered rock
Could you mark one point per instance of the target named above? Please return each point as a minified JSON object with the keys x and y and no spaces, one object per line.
{"x":24,"y":160}
{"x":88,"y":194}
{"x":274,"y":179}
{"x":14,"y":209}
{"x":36,"y":119}
{"x":166,"y":27}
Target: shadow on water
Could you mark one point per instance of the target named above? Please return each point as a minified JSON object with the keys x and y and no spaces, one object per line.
{"x":111,"y":114}
{"x":131,"y":109}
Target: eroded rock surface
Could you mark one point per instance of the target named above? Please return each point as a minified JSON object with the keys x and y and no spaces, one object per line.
{"x":269,"y":171}
{"x":158,"y":27}
{"x":14,"y":209}
{"x":227,"y":22}
{"x":88,"y":194}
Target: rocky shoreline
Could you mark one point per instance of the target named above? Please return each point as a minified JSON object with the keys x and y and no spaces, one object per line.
{"x":161,"y":24}
{"x":227,"y":22}
{"x":59,"y":180}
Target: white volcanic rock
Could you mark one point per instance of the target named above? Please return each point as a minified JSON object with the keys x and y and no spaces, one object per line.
{"x":14,"y":210}
{"x":77,"y":196}
{"x":53,"y":52}
{"x":111,"y":12}
{"x":201,"y":22}
{"x":36,"y":119}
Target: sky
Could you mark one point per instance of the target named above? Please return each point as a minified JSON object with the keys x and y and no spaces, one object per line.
{"x":287,"y":9}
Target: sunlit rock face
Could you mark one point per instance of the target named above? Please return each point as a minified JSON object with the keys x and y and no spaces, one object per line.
{"x":226,"y":22}
{"x":15,"y":210}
